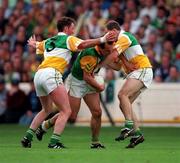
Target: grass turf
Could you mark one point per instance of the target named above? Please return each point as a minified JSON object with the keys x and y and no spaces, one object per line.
{"x":162,"y":145}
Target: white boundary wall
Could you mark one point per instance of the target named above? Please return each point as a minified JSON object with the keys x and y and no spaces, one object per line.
{"x":159,"y":103}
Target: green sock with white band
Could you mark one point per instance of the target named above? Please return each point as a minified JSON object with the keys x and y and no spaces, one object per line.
{"x":29,"y":134}
{"x":54,"y":138}
{"x":129,"y":124}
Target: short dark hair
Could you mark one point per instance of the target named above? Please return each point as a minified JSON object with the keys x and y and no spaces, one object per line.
{"x":64,"y":22}
{"x":102,"y":45}
{"x":112,"y":24}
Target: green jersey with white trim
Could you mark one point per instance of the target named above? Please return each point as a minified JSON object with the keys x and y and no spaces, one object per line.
{"x":87,"y":60}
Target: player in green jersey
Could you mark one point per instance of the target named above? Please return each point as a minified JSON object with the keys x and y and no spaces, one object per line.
{"x":82,"y":75}
{"x":48,"y":78}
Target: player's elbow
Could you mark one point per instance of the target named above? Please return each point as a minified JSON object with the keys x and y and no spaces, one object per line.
{"x":82,"y":45}
{"x":101,"y":88}
{"x":86,"y":44}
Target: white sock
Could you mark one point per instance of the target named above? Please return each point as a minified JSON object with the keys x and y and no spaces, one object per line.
{"x":44,"y":126}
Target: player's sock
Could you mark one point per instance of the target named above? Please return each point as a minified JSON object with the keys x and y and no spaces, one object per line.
{"x":126,"y":131}
{"x":95,"y":143}
{"x":95,"y":139}
{"x":129,"y":124}
{"x":29,"y":134}
{"x":54,"y":138}
{"x":138,"y":132}
{"x":46,"y":125}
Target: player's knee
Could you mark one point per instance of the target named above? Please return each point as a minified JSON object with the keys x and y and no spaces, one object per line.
{"x":97,"y":113}
{"x":67,"y":112}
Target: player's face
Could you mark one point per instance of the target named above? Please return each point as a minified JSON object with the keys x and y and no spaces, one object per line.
{"x":71,"y":29}
{"x":107,"y":50}
{"x":115,"y":31}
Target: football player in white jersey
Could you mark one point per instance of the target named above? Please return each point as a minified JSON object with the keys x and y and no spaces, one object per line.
{"x":48,"y":82}
{"x":138,"y":78}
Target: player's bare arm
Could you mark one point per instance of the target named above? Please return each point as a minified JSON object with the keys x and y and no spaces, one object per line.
{"x":115,"y":65}
{"x":89,"y":78}
{"x":128,"y":65}
{"x":111,"y":58}
{"x":108,"y":37}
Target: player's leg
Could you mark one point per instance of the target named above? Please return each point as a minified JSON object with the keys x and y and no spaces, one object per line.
{"x":38,"y":119}
{"x":75,"y":103}
{"x":129,"y":89}
{"x":134,"y":117}
{"x":93,"y":102}
{"x":60,"y":97}
{"x":137,"y":82}
{"x":75,"y":106}
{"x":137,"y":135}
{"x":42,"y":129}
{"x":46,"y":103}
{"x":146,"y":80}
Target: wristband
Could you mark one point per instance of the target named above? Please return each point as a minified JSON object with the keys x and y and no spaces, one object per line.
{"x":102,"y":39}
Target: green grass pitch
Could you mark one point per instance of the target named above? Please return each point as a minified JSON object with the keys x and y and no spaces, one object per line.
{"x":161,"y":145}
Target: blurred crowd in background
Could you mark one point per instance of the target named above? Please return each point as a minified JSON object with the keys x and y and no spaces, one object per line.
{"x":155,"y":23}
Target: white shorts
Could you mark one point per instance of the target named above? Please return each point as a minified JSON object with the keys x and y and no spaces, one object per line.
{"x":46,"y":80}
{"x":78,"y":88}
{"x":145,"y":75}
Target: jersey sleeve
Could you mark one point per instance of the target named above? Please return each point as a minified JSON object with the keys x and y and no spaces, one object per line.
{"x":122,"y":44}
{"x":40,"y":47}
{"x":73,"y":42}
{"x":88,"y":63}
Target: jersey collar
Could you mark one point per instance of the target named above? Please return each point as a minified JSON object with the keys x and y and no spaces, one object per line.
{"x":121,"y":32}
{"x":62,"y":33}
{"x":97,"y":49}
